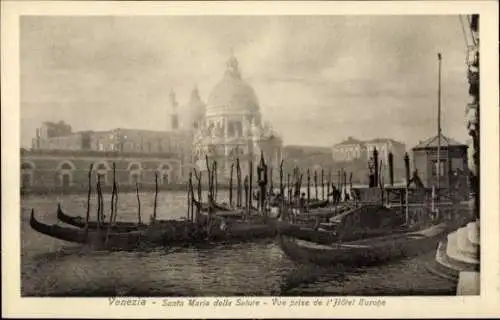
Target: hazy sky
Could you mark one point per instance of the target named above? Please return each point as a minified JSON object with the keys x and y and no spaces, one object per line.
{"x":319,"y":79}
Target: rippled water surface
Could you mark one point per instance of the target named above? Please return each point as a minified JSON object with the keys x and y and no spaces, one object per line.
{"x":55,"y":268}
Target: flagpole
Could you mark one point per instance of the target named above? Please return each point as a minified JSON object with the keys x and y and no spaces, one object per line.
{"x":438,"y":169}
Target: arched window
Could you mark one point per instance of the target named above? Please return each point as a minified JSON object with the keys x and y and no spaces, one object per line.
{"x":164,"y":173}
{"x":66,"y":166}
{"x":65,"y":174}
{"x":101,"y":169}
{"x":135,"y":173}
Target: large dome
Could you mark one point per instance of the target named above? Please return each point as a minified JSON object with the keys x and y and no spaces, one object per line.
{"x":232,"y":95}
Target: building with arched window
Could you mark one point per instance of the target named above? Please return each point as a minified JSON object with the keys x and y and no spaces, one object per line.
{"x":65,"y":170}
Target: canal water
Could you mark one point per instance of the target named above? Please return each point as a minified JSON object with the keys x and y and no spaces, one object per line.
{"x":51,"y":267}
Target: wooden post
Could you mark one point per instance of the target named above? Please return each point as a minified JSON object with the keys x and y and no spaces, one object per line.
{"x":139,"y":203}
{"x":209,"y":180}
{"x":339,"y":180}
{"x":231,"y":185}
{"x":308,"y":188}
{"x":390,"y":160}
{"x":344,"y":182}
{"x":116,"y":201}
{"x":250,"y":188}
{"x":375,"y":159}
{"x":322,"y":184}
{"x":188,"y":201}
{"x":381,"y":182}
{"x":350,"y":187}
{"x":289,"y":191}
{"x":239,"y":187}
{"x":87,"y":216}
{"x":271,"y":186}
{"x":407,"y":168}
{"x":198,"y":179}
{"x":315,"y":185}
{"x":111,"y":216}
{"x":282,"y":189}
{"x":156,"y":197}
{"x":216,"y":183}
{"x":328,"y":185}
{"x":98,"y":202}
{"x":407,"y":214}
{"x":191,"y":192}
{"x":245,"y":186}
{"x":99,"y":210}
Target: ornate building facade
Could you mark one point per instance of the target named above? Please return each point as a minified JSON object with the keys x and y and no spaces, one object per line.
{"x":231,"y":126}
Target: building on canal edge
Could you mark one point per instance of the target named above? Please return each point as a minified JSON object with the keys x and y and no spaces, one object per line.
{"x":453,"y":162}
{"x":229,"y":126}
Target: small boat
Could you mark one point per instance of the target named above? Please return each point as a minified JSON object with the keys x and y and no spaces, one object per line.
{"x":111,"y":240}
{"x":366,"y":251}
{"x":79,"y":222}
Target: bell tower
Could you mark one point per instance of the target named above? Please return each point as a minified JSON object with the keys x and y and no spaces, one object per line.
{"x":174,"y":116}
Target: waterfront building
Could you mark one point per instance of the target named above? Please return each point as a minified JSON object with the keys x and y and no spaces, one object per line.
{"x":349,"y":150}
{"x":353,"y":149}
{"x":355,"y":154}
{"x":452,"y":161}
{"x":64,"y":170}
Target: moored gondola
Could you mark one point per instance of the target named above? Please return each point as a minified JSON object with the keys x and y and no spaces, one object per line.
{"x":366,"y":251}
{"x":99,"y":237}
{"x":79,"y":222}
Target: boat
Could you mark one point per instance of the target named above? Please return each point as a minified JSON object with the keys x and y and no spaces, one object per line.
{"x":110,"y":240}
{"x":165,"y":233}
{"x":119,"y":226}
{"x":79,"y":222}
{"x":367,"y":251}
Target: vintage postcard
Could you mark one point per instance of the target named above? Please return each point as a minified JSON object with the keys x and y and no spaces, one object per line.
{"x":250,"y":159}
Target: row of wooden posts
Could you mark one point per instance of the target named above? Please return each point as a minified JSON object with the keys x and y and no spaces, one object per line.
{"x":292,"y":185}
{"x":244,"y":187}
{"x":114,"y":203}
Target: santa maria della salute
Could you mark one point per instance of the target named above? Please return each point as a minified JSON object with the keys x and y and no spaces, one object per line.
{"x":228,"y":126}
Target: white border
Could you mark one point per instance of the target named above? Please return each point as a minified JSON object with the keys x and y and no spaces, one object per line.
{"x":485,"y":305}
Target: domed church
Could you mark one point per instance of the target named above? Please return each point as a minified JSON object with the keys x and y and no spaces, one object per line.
{"x":230,"y":126}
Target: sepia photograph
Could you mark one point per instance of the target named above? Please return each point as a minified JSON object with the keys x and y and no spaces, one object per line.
{"x":249,"y":155}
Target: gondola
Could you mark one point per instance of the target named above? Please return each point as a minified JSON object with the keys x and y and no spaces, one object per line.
{"x":162,"y":235}
{"x":78,"y":221}
{"x":119,"y":226}
{"x":346,"y":225}
{"x":367,"y":251}
{"x":111,"y":240}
